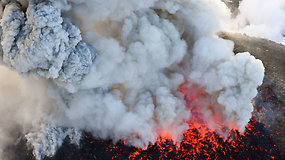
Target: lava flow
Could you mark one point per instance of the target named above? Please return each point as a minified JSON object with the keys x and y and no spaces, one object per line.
{"x":199,"y":142}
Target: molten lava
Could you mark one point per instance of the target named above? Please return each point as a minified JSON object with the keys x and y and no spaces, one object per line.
{"x":199,"y":142}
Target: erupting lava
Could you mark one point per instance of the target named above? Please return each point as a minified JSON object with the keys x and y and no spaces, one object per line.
{"x":199,"y":142}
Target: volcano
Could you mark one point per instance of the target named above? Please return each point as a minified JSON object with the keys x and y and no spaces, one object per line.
{"x":152,"y":79}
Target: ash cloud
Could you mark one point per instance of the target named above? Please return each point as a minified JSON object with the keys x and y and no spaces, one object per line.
{"x":40,"y":42}
{"x":121,"y":79}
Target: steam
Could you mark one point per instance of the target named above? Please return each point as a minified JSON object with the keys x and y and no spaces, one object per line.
{"x":262,"y":18}
{"x":121,"y":79}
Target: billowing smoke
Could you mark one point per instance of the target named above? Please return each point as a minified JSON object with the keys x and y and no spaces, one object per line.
{"x":40,"y":42}
{"x":114,"y":68}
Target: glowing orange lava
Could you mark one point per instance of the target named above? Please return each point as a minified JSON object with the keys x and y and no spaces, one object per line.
{"x":199,"y":142}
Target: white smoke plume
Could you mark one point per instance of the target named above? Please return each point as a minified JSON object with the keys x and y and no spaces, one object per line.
{"x":121,"y":80}
{"x":262,"y":18}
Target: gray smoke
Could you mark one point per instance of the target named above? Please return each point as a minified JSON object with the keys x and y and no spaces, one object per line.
{"x":24,"y":104}
{"x":40,"y":42}
{"x":121,"y":80}
{"x":48,"y":138}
